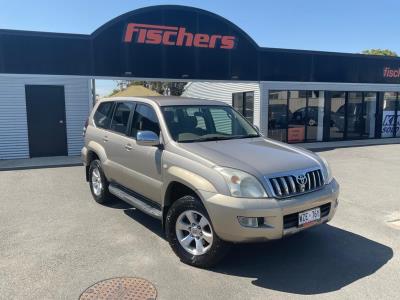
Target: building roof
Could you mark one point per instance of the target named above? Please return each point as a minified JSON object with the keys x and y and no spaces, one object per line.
{"x":170,"y":100}
{"x":134,"y":91}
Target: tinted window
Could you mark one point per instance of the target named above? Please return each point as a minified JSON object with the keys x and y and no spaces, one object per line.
{"x":102,"y":116}
{"x":121,"y":117}
{"x":145,"y":119}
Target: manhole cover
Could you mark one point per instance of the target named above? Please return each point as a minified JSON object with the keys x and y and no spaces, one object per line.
{"x":126,"y":288}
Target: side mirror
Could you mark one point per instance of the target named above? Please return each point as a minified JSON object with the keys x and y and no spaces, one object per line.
{"x":147,"y":138}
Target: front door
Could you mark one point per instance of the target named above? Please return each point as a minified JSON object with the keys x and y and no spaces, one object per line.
{"x":145,"y":161}
{"x":45,"y":107}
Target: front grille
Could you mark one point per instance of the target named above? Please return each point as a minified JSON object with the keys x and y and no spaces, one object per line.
{"x":292,"y":220}
{"x":290,"y":185}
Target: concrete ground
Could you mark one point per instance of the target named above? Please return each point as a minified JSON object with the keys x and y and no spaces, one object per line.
{"x":55,"y":241}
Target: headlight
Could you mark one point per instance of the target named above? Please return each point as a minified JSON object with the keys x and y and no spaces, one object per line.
{"x":326,"y":171}
{"x":241,"y":184}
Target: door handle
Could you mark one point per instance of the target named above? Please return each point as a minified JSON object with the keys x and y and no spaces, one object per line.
{"x":128,"y":147}
{"x":105,"y":139}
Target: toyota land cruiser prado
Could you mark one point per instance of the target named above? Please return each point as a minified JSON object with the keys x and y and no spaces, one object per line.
{"x":205,"y":172}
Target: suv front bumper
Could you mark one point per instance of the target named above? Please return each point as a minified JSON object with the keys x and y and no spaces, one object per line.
{"x":225,"y":210}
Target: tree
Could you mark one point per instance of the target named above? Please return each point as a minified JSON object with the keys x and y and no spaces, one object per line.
{"x":384,"y":52}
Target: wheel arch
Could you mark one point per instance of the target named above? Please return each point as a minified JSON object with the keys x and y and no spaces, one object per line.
{"x":176,"y":189}
{"x":94,"y":151}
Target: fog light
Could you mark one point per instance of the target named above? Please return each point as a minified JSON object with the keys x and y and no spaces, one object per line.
{"x":248,"y":221}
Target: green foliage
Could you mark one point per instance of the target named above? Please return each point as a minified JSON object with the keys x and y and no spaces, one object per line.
{"x":385,"y":52}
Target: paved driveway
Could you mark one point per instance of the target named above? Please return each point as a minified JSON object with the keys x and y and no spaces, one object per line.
{"x":55,"y":241}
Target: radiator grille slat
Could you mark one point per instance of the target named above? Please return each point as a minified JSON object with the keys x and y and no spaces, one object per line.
{"x":290,"y":185}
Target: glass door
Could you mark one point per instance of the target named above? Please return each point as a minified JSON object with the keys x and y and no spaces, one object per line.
{"x":369,"y":115}
{"x":297,"y":116}
{"x":337,"y":122}
{"x":354,"y":115}
{"x":315,"y":116}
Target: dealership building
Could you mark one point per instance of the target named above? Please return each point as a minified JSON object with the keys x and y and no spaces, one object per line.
{"x":46,"y":80}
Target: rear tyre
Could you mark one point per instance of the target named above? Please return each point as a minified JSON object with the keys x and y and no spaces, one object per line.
{"x":191,"y":235}
{"x":98,"y":182}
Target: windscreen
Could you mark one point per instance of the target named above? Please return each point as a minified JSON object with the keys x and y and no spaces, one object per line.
{"x":199,"y":123}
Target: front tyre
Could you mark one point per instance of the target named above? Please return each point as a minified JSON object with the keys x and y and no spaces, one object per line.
{"x":191,"y":235}
{"x":98,"y":182}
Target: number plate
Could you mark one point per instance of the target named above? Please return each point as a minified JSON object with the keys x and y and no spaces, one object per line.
{"x":309,"y":216}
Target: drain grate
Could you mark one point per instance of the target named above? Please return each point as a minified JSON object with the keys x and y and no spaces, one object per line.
{"x":127,"y":288}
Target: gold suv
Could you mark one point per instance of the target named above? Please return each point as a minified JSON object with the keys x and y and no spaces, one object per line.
{"x":205,"y":172}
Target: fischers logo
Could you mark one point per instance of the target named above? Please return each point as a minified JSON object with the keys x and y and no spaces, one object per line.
{"x":391,"y":73}
{"x":176,"y":36}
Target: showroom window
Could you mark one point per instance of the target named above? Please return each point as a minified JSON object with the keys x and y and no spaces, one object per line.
{"x":296,"y":116}
{"x":352,"y":115}
{"x":390,"y":116}
{"x":244,"y":103}
{"x":277,"y":115}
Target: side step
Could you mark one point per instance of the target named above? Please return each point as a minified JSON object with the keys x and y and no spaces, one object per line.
{"x":137,"y":203}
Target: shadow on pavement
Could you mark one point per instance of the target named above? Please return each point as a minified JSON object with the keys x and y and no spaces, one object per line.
{"x":116,"y":203}
{"x":320,"y":260}
{"x":146,"y":221}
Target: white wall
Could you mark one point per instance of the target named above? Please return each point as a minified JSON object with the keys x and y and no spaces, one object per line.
{"x":13,"y":123}
{"x":223,"y":91}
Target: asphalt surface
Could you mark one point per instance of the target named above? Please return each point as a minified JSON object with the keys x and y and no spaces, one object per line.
{"x":55,"y":241}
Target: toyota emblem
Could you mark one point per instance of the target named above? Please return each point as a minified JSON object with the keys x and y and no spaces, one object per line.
{"x":301,"y":179}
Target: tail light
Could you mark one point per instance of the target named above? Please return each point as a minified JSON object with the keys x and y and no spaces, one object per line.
{"x":85,"y":127}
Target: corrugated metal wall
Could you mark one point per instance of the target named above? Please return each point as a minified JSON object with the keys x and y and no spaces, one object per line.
{"x":223,"y":92}
{"x":13,"y":123}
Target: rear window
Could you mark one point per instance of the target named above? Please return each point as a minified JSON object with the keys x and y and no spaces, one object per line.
{"x":102,"y":116}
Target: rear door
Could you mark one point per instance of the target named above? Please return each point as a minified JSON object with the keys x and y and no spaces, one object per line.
{"x":117,"y":143}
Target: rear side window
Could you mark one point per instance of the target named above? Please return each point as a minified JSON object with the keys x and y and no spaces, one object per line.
{"x":121,"y":117}
{"x":102,"y":116}
{"x":145,"y":119}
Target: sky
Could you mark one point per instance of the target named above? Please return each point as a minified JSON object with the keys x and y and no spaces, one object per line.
{"x":341,"y":26}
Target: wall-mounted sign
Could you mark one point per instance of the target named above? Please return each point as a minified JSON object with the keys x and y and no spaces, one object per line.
{"x":388,"y":124}
{"x":296,"y":134}
{"x":391,"y":73}
{"x":175,"y":36}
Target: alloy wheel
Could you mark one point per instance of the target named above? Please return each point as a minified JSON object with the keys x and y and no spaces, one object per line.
{"x":194,"y":232}
{"x":96,"y":182}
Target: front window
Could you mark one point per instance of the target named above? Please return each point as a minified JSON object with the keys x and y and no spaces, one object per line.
{"x":197,"y":123}
{"x":145,"y":119}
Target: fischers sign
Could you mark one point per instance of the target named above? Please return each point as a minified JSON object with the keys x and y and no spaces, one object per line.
{"x":175,"y":36}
